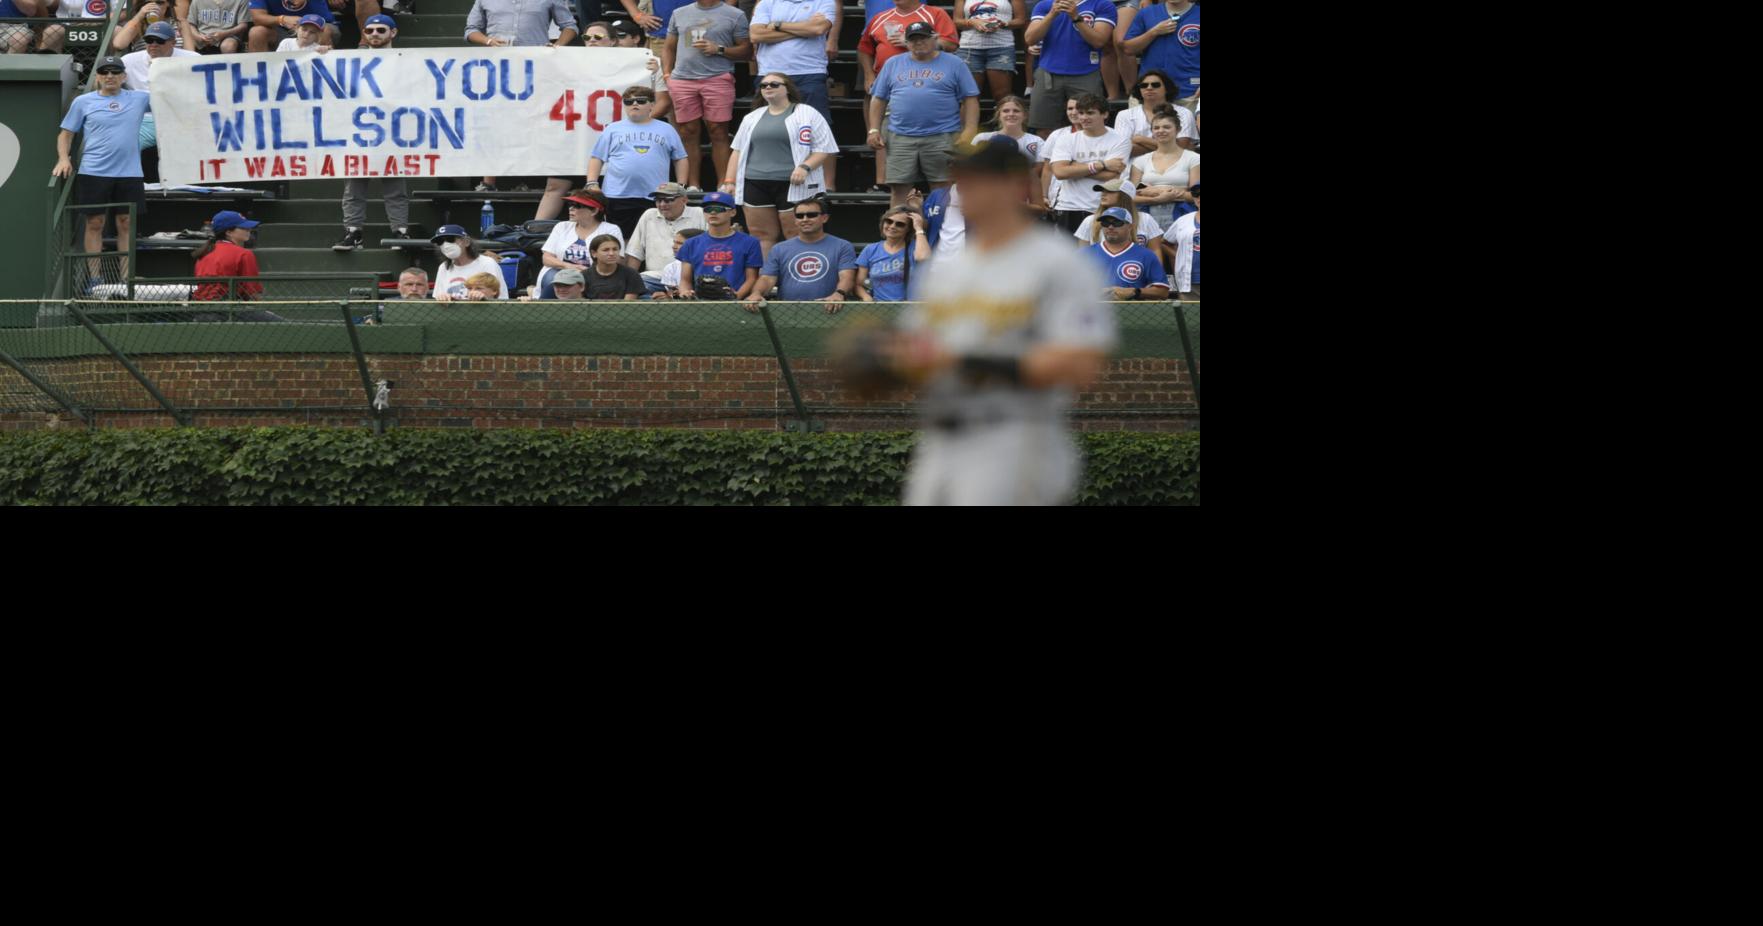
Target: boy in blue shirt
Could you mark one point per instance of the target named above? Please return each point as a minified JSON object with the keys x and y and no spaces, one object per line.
{"x":722,"y":251}
{"x":110,"y":166}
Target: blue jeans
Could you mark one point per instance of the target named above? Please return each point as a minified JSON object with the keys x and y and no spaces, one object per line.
{"x":813,"y":87}
{"x":989,"y":59}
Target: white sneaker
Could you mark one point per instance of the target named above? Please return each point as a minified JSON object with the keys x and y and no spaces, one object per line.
{"x":693,"y":189}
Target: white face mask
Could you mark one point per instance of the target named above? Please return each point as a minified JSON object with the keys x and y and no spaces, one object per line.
{"x":452,"y":251}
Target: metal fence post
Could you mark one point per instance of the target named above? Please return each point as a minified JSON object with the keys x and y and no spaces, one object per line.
{"x":177,"y":415}
{"x":48,"y":390}
{"x":379,"y":421}
{"x":1187,"y":350}
{"x":783,"y":364}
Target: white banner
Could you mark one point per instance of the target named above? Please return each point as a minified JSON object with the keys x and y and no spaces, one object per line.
{"x":427,"y":112}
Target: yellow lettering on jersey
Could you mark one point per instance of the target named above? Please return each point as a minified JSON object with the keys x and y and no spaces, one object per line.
{"x":999,"y":314}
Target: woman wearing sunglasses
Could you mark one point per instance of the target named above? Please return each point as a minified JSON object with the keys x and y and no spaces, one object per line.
{"x":778,"y":153}
{"x":1135,"y":121}
{"x":886,"y":266}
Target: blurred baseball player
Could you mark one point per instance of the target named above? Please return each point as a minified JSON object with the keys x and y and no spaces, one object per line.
{"x":998,"y":343}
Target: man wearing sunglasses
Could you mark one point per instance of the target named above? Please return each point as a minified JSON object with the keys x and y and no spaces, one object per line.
{"x":813,"y":266}
{"x":1134,"y":272}
{"x":635,"y":155}
{"x":650,"y":246}
{"x":377,"y":34}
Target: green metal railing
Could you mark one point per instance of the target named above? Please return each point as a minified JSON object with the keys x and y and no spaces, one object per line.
{"x":101,"y":358}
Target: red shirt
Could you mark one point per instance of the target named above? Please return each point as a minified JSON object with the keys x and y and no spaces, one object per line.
{"x":875,"y":37}
{"x":227,"y":260}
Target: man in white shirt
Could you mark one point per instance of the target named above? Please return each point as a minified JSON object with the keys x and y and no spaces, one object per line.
{"x":651,"y":242}
{"x":1082,"y":159}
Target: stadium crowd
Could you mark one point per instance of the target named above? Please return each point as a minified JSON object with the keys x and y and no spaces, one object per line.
{"x":1125,"y":184}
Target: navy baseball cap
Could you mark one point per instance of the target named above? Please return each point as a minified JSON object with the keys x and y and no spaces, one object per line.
{"x":626,"y":27}
{"x":1116,"y":212}
{"x":449,"y":231}
{"x":229,"y":219}
{"x":311,"y":19}
{"x":381,"y":19}
{"x":162,"y":29}
{"x":920,"y":28}
{"x":110,"y":63}
{"x":718,"y":198}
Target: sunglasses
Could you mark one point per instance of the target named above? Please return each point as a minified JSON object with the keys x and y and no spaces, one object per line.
{"x":599,"y":38}
{"x":771,"y":85}
{"x":810,"y":215}
{"x":715,"y":208}
{"x":669,"y":199}
{"x":637,"y":101}
{"x":896,"y":224}
{"x":1149,"y":86}
{"x":1113,"y":223}
{"x":376,"y":30}
{"x":155,"y":41}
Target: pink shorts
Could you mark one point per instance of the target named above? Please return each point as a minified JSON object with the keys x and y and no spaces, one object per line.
{"x":713,"y":98}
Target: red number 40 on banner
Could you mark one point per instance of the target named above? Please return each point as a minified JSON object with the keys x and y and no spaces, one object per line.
{"x":564,"y":110}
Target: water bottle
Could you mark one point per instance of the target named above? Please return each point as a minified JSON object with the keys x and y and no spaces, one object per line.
{"x":486,"y":219}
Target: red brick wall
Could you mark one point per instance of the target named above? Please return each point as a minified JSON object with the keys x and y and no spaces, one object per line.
{"x":528,"y":391}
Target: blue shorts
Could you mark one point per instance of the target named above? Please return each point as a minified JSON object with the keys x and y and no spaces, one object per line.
{"x":813,"y":89}
{"x":989,"y":59}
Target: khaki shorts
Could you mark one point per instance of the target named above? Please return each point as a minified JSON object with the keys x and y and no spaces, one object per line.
{"x":913,"y":158}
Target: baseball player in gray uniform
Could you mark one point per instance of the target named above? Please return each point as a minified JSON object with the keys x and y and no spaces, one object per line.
{"x":999,"y":342}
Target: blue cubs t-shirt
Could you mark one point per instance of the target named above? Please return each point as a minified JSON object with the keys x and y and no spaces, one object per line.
{"x":1135,"y":266}
{"x":1064,"y":51}
{"x":924,"y":97}
{"x":1177,"y":55}
{"x":728,"y":257}
{"x":887,"y":272}
{"x":112,"y":125}
{"x":318,"y":8}
{"x":638,"y":158}
{"x":934,"y":206}
{"x":808,"y":271}
{"x":1194,"y":273}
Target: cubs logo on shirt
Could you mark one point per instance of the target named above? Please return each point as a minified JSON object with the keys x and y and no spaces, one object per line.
{"x":1131,"y":270}
{"x":1189,"y":35}
{"x":806,"y":136}
{"x":719,"y":258}
{"x":640,"y":149}
{"x":293,"y":5}
{"x":114,"y":107}
{"x":97,"y":7}
{"x":806,"y":268}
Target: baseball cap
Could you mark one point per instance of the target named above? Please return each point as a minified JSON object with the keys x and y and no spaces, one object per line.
{"x":626,"y":27}
{"x":568,"y":277}
{"x":1115,"y":212}
{"x":1117,"y":185}
{"x":109,"y":63}
{"x":162,"y":29}
{"x":311,"y":19}
{"x":920,"y":28}
{"x":586,"y":200}
{"x":381,"y":19}
{"x":718,"y":198}
{"x":450,"y":231}
{"x":995,"y":156}
{"x":229,"y":219}
{"x":669,"y":189}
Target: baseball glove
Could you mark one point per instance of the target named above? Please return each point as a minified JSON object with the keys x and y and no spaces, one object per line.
{"x":713,"y":287}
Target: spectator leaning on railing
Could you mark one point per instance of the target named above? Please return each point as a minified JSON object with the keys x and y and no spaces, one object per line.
{"x":734,"y":256}
{"x":1134,"y":271}
{"x":813,"y":266}
{"x":213,"y":27}
{"x":885,"y":267}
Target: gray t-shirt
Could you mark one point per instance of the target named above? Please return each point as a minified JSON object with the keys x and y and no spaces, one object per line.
{"x":1036,"y":290}
{"x":723,"y":25}
{"x":768,"y":151}
{"x":211,"y":16}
